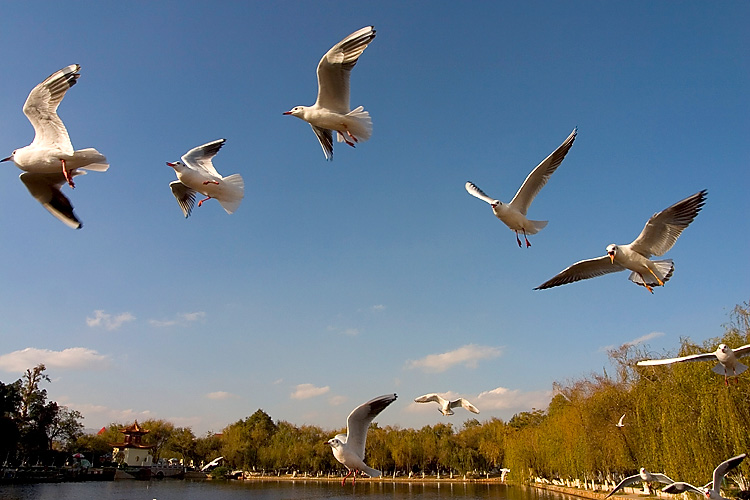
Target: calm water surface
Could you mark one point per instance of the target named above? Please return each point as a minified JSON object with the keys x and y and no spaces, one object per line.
{"x":270,"y":490}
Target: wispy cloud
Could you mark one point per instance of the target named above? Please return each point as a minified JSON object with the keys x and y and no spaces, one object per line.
{"x":640,"y":340}
{"x":108,"y":321}
{"x":378,"y":308}
{"x":98,"y":415}
{"x":73,"y":358}
{"x":506,"y":399}
{"x":218,"y":395}
{"x":468,"y":355}
{"x":306,"y":391}
{"x":179,"y":319}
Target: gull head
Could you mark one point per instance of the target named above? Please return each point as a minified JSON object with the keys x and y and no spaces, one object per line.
{"x":334,"y":443}
{"x":10,"y":158}
{"x":723,"y":348}
{"x":611,"y":251}
{"x":297,"y":111}
{"x":178,"y":165}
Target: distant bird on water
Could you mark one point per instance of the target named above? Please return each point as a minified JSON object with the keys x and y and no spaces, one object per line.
{"x":658,"y":236}
{"x":331,"y":110}
{"x":712,"y":491}
{"x":729,"y":364}
{"x":50,"y":161}
{"x":513,"y":214}
{"x":643,"y":476}
{"x":349,"y":448}
{"x":446,"y":406}
{"x":196,"y":173}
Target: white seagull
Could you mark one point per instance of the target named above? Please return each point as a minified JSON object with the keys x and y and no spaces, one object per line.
{"x":643,"y":476}
{"x":331,"y":110}
{"x":620,"y":422}
{"x":349,"y":448}
{"x":712,"y":491}
{"x":446,"y":406}
{"x":196,"y":173}
{"x":659,"y":235}
{"x":50,"y":161}
{"x":513,"y":214}
{"x":729,"y":364}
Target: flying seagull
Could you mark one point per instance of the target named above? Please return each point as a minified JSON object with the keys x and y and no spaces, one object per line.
{"x":349,"y":448}
{"x":513,"y":214}
{"x":331,"y":110}
{"x":50,"y":161}
{"x":446,"y":406}
{"x":620,"y":422}
{"x":712,"y":491}
{"x":196,"y":173}
{"x":659,"y":235}
{"x":729,"y":364}
{"x":643,"y":476}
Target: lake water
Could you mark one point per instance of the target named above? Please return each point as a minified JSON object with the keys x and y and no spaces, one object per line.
{"x":270,"y":490}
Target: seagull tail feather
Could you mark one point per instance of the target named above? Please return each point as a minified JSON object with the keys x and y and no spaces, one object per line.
{"x":738,"y":368}
{"x":537,"y":225}
{"x":371,"y":472}
{"x":359,"y":124}
{"x":665,"y":268}
{"x":234,"y":191}
{"x":90,"y":159}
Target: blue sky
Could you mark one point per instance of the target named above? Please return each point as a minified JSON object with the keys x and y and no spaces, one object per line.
{"x":339,"y":281}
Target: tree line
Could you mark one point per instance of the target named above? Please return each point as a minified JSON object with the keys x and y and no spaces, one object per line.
{"x":680,"y":419}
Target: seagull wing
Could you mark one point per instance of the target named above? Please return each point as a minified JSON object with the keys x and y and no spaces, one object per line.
{"x":662,"y":478}
{"x":742,"y":351}
{"x":681,"y":487}
{"x":668,"y":361}
{"x":335,"y":68}
{"x":325,"y":138}
{"x":465,"y":404}
{"x":619,"y":423}
{"x":200,"y":158}
{"x":430,"y":398}
{"x":41,"y":108}
{"x":185,"y":196}
{"x":721,"y":470}
{"x":624,"y":483}
{"x":46,"y":189}
{"x":359,"y":421}
{"x":582,"y":270}
{"x":663,"y":228}
{"x":540,"y":175}
{"x":474,"y":190}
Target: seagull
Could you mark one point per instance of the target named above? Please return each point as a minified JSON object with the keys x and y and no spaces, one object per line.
{"x":196,"y":173}
{"x":349,"y":448}
{"x":712,"y":490}
{"x":620,"y":423}
{"x":50,"y":161}
{"x":446,"y":406}
{"x":643,"y":476}
{"x":729,"y":364}
{"x":331,"y":110}
{"x":513,"y":214}
{"x":659,"y":235}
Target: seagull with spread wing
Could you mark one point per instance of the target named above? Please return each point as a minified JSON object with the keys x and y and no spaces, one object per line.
{"x":659,"y":235}
{"x":729,"y":364}
{"x":642,"y":476}
{"x":349,"y":448}
{"x":513,"y":214}
{"x":50,"y":161}
{"x":446,"y":406}
{"x":331,"y":110}
{"x":712,"y":491}
{"x":196,"y":173}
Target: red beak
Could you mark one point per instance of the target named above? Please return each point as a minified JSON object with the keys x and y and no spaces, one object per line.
{"x":170,"y":164}
{"x":286,"y":113}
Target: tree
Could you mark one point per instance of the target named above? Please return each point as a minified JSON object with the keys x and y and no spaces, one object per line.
{"x":65,"y":428}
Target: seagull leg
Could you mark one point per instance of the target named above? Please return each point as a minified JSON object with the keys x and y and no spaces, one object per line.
{"x":661,"y":283}
{"x":67,"y":176}
{"x":527,"y":240}
{"x":518,"y":240}
{"x":646,"y":284}
{"x":354,"y":477}
{"x":352,"y":137}
{"x":343,"y":138}
{"x":204,"y":199}
{"x":343,"y":482}
{"x":210,"y":182}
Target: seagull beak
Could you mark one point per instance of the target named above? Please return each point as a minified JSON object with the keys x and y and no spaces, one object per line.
{"x":611,"y":256}
{"x":6,"y":159}
{"x":286,"y":113}
{"x":171,"y":164}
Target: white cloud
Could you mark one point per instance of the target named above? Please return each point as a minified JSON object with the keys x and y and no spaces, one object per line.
{"x":98,"y":415}
{"x":337,"y":400}
{"x":220,"y":395}
{"x":506,"y":399}
{"x":640,"y":340}
{"x":306,"y":391}
{"x":108,"y":321}
{"x":378,"y":307}
{"x":73,"y":358}
{"x":179,"y":319}
{"x":468,"y":355}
